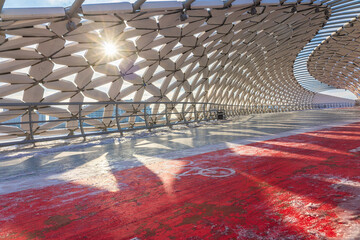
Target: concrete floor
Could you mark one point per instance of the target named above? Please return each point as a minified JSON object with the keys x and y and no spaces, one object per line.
{"x":22,"y":169}
{"x":272,"y":176}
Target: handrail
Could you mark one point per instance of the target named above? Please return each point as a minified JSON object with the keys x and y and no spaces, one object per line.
{"x":37,"y":122}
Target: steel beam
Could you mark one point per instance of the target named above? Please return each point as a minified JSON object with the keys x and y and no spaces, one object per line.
{"x":137,"y":4}
{"x":2,"y":2}
{"x":74,"y":7}
{"x":188,"y":3}
{"x":228,"y":3}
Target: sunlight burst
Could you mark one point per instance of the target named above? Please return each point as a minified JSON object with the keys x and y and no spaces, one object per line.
{"x":110,"y":49}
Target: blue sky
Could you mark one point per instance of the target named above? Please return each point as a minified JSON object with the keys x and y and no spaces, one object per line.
{"x":37,"y":3}
{"x":48,"y":3}
{"x":340,"y":93}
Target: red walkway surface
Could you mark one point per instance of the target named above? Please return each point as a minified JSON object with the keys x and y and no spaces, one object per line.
{"x":304,"y":186}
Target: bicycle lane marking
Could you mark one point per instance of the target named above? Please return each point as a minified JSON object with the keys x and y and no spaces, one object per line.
{"x":192,"y":169}
{"x":279,"y":187}
{"x":25,"y":183}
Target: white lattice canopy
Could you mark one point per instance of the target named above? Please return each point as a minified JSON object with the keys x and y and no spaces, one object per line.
{"x":336,"y":61}
{"x":203,"y":51}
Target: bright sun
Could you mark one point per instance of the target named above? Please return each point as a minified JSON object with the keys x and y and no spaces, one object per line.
{"x":110,"y":49}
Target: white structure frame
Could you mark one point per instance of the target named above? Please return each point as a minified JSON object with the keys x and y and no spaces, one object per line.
{"x":235,"y":53}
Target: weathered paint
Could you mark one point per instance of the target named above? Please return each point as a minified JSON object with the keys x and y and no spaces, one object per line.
{"x":305,"y":186}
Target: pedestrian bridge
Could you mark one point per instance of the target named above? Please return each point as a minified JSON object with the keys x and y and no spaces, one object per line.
{"x":234,"y":138}
{"x":97,"y":68}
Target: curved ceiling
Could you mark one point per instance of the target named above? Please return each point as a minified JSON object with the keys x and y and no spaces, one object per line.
{"x":342,"y":11}
{"x":336,"y":61}
{"x":203,"y":51}
{"x":237,"y":55}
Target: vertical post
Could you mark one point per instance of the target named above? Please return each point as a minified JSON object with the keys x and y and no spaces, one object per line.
{"x":183,"y":113}
{"x":145,"y":119}
{"x":167,"y":116}
{"x":31,"y":136}
{"x":81,"y":123}
{"x":204,"y":110}
{"x":221,"y":107}
{"x":211,"y":113}
{"x":196,"y":114}
{"x":118,"y":120}
{"x":216,"y":108}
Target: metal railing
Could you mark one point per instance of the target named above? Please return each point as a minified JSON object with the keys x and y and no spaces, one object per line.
{"x":22,"y":123}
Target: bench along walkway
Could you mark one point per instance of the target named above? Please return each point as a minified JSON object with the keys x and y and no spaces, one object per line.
{"x":282,"y":186}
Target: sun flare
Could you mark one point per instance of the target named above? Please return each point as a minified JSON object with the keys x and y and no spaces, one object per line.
{"x":110,"y":49}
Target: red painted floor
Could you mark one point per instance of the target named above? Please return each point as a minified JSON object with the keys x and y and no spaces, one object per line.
{"x":305,"y":186}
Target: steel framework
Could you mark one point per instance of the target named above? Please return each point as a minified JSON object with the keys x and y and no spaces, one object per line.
{"x":235,"y":53}
{"x":336,"y":61}
{"x":342,"y":12}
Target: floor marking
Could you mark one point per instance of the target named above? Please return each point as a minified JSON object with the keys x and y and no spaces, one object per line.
{"x":31,"y":182}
